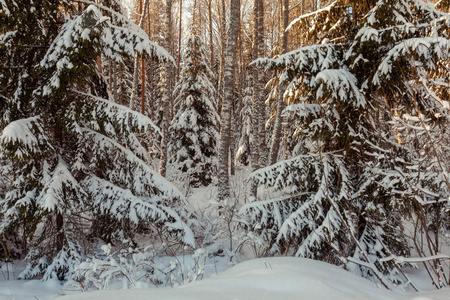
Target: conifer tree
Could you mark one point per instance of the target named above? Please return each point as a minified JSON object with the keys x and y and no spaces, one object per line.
{"x":193,"y":132}
{"x":73,"y":157}
{"x":353,"y":175}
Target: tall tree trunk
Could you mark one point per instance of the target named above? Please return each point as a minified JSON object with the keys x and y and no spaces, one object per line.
{"x":60,"y":236}
{"x":150,"y":78}
{"x":257,"y":140}
{"x":211,"y":44}
{"x":260,"y":82}
{"x":167,"y":94}
{"x":59,"y":218}
{"x":122,"y":96}
{"x":222,"y":56}
{"x":142,"y":86}
{"x":179,"y":41}
{"x":276,"y":136}
{"x":134,"y":102}
{"x":134,"y":87}
{"x":233,"y":31}
{"x":114,"y":81}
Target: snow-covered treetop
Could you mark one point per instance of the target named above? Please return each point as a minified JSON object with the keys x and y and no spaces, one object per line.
{"x":91,"y":34}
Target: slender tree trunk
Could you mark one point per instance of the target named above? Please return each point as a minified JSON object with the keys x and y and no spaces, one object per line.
{"x":276,"y":136}
{"x":134,"y":102}
{"x":222,"y":56}
{"x":5,"y":250}
{"x":99,"y":64}
{"x":224,"y":182}
{"x":60,"y":236}
{"x":259,"y":98}
{"x":122,"y":97}
{"x":167,"y":94}
{"x":233,"y":129}
{"x":59,"y":218}
{"x":142,"y":86}
{"x":110,"y":74}
{"x":256,"y":95}
{"x":257,"y":140}
{"x":200,"y":21}
{"x":134,"y":87}
{"x":150,"y":78}
{"x":114,"y":81}
{"x":179,"y":41}
{"x":211,"y":44}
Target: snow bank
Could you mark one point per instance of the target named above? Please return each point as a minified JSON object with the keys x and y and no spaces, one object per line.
{"x":270,"y":278}
{"x":284,"y":278}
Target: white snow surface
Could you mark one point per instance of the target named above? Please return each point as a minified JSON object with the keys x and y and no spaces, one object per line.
{"x":259,"y":279}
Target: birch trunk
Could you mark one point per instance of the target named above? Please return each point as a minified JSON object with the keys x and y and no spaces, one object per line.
{"x":276,"y":136}
{"x":261,"y":108}
{"x":257,"y":139}
{"x":224,"y":146}
{"x":222,"y":56}
{"x":167,"y":94}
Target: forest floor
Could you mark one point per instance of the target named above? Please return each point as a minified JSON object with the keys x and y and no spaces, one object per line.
{"x":257,"y":279}
{"x":246,"y":278}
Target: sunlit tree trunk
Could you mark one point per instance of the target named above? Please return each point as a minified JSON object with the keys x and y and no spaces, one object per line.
{"x":167,"y":93}
{"x":233,"y":31}
{"x":211,"y":43}
{"x":179,"y":40}
{"x":276,"y":137}
{"x":258,"y":140}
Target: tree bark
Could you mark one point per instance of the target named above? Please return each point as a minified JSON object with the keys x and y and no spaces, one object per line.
{"x":122,"y":98}
{"x":222,"y":56}
{"x":179,"y":40}
{"x":142,"y":86}
{"x":59,"y":218}
{"x":257,"y":140}
{"x":276,"y":136}
{"x":134,"y":87}
{"x":233,"y":31}
{"x":260,"y":82}
{"x":211,"y":45}
{"x":167,"y":94}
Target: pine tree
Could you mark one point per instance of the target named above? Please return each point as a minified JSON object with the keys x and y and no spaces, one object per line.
{"x":193,"y":133}
{"x":75,"y":162}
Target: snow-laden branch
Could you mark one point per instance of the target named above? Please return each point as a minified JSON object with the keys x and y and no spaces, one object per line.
{"x":122,"y":115}
{"x":123,"y":204}
{"x":27,"y":136}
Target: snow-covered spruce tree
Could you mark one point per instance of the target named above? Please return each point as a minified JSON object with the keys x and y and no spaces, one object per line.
{"x":74,"y":160}
{"x":324,"y":214}
{"x":193,"y":132}
{"x":407,"y":81}
{"x":348,"y":185}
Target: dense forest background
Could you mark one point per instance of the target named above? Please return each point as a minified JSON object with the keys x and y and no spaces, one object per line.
{"x":114,"y":115}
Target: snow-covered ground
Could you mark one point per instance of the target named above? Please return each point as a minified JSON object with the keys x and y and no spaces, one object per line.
{"x":258,"y":279}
